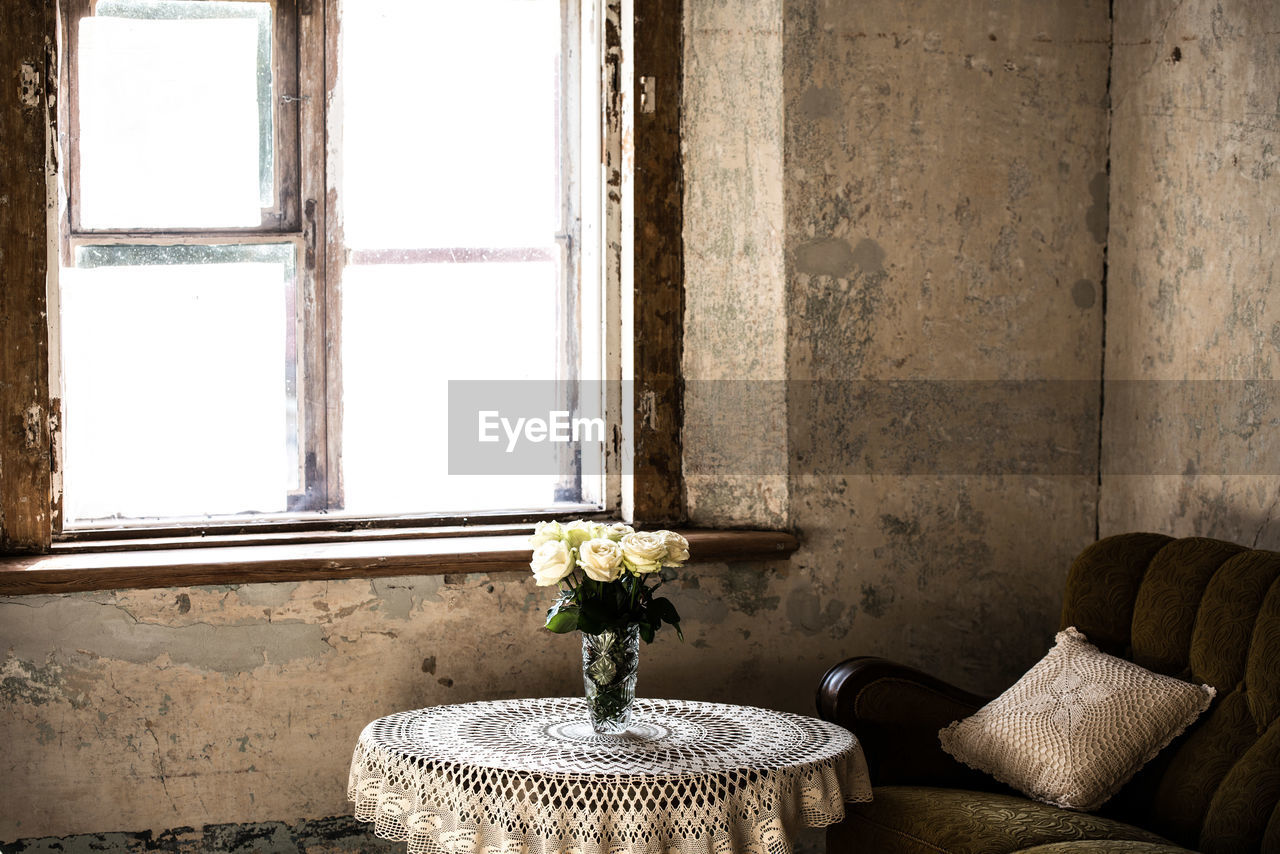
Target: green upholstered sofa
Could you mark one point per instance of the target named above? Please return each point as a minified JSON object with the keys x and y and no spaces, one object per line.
{"x":1199,"y":609}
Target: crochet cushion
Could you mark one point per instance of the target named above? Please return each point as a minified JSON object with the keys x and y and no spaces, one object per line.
{"x":1077,"y":726}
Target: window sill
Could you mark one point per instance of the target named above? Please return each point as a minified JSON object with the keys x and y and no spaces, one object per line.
{"x":67,"y":571}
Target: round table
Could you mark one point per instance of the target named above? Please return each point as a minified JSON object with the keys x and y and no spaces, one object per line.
{"x":531,"y":777}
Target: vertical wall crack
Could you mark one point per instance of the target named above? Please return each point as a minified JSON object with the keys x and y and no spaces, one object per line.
{"x":1102,"y":286}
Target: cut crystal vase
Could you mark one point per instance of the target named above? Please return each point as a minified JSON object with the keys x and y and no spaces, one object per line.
{"x":609,"y":663}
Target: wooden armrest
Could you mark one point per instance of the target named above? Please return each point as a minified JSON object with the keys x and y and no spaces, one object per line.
{"x":842,"y":686}
{"x":896,"y":712}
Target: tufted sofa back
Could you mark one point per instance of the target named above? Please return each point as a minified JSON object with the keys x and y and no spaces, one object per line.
{"x":1205,"y":611}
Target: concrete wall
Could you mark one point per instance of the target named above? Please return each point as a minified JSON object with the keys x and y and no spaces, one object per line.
{"x":945,"y":200}
{"x":148,"y":710}
{"x":1193,"y":300}
{"x":945,"y":193}
{"x":735,"y":323}
{"x":940,"y":219}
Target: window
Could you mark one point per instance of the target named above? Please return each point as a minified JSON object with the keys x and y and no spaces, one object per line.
{"x":289,"y":224}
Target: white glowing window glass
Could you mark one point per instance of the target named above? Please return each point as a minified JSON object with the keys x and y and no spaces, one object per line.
{"x":458,"y":259}
{"x":175,"y":114}
{"x":451,"y":123}
{"x":179,"y":381}
{"x":406,"y":331}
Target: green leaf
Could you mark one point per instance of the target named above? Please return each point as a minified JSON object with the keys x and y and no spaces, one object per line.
{"x":662,"y":609}
{"x":646,"y":632}
{"x":589,"y":623}
{"x":562,"y":620}
{"x":598,"y":611}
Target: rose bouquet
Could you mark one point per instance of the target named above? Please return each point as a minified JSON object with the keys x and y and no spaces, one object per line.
{"x":604,"y":574}
{"x":607,"y":575}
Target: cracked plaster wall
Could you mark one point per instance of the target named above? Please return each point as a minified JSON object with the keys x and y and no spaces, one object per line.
{"x":1193,"y":297}
{"x":945,"y":217}
{"x":735,"y":321}
{"x":149,"y":710}
{"x":942,"y":219}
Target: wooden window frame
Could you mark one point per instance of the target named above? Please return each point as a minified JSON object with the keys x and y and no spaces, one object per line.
{"x":296,"y":218}
{"x":30,"y":512}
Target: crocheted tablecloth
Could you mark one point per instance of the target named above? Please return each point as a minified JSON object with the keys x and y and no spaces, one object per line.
{"x":532,"y":777}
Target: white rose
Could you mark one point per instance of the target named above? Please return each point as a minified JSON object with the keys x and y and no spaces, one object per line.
{"x":677,"y":548}
{"x":644,"y":551}
{"x":546,"y":532}
{"x":601,"y":559}
{"x":577,"y":533}
{"x":551,"y":562}
{"x":617,"y":531}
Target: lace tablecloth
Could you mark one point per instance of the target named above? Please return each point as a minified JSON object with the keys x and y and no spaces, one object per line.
{"x":531,"y":777}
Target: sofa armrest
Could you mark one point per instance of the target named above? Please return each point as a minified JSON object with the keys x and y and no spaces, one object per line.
{"x":896,"y":712}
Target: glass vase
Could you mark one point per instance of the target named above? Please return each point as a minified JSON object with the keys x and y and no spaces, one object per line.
{"x":609,"y":663}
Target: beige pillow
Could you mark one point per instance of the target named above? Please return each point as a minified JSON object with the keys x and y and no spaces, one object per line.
{"x":1076,"y":726}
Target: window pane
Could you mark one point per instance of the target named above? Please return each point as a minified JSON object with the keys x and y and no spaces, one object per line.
{"x":457,"y":138}
{"x":175,"y":111}
{"x":450,"y":124}
{"x":176,"y":403}
{"x":406,"y":331}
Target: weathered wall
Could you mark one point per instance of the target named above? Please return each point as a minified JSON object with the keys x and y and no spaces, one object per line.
{"x":735,"y":322}
{"x":940,"y":218}
{"x":157,"y":709}
{"x":945,"y":199}
{"x":1193,"y":297}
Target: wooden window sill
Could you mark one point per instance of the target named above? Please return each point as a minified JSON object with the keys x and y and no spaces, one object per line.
{"x":69,"y":570}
